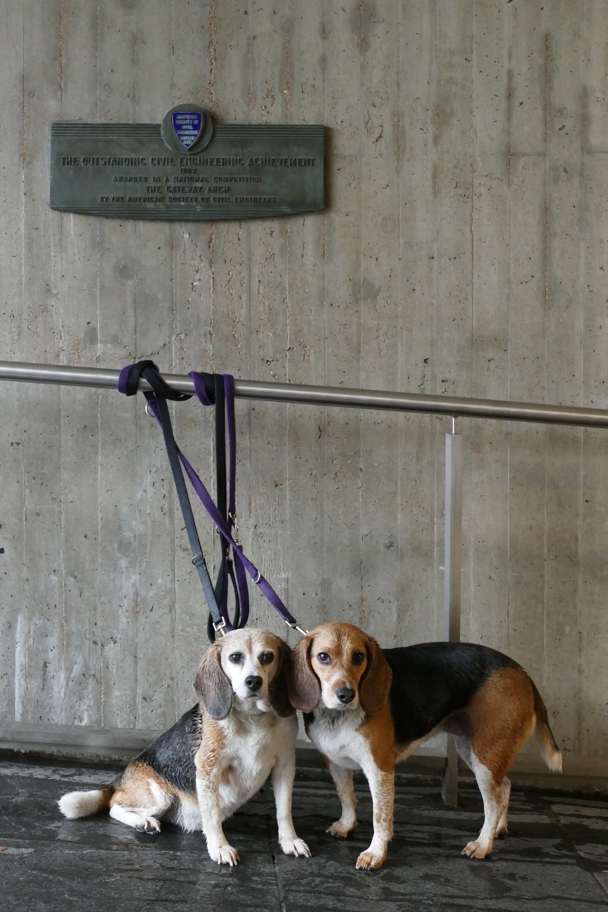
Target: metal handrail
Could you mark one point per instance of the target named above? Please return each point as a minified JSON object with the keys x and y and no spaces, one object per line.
{"x":452,"y":406}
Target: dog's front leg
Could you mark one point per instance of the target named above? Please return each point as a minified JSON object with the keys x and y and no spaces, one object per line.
{"x":382,"y":786}
{"x":283,"y":774}
{"x":208,"y":801}
{"x":343,"y":780}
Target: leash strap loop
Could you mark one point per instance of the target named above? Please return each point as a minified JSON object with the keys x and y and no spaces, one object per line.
{"x":209,"y":388}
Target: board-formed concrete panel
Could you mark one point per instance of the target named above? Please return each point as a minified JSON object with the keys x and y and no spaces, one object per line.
{"x":461,"y":251}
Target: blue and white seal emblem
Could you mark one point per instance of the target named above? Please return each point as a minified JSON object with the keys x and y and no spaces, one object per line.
{"x":188,"y":126}
{"x":187,"y":129}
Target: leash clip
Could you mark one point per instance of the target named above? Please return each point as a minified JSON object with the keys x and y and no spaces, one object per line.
{"x":220,"y":627}
{"x":235,"y":526}
{"x":296,"y":626}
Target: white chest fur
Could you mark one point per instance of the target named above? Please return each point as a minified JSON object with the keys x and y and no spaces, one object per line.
{"x":253,"y":747}
{"x":334,"y":733}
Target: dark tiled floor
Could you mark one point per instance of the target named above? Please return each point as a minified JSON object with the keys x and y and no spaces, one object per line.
{"x":555,"y":858}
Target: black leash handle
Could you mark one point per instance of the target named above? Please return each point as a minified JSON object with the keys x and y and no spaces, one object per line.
{"x":204,"y":384}
{"x":148,"y":371}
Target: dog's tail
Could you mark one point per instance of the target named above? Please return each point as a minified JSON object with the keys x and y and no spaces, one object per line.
{"x":83,"y":804}
{"x":549,"y":749}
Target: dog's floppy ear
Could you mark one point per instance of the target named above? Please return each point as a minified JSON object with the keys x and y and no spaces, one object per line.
{"x":212,"y":685}
{"x":303,"y":684}
{"x":277,"y":689}
{"x":376,"y":681}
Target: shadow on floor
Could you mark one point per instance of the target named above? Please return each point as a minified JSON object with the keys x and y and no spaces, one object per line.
{"x":555,"y":858}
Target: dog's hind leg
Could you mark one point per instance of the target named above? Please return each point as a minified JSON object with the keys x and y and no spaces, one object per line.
{"x":463,"y":746}
{"x":502,"y":719}
{"x":142,"y":808}
{"x":343,"y":780}
{"x":492,"y":795}
{"x":495,"y":797}
{"x":503,"y":828}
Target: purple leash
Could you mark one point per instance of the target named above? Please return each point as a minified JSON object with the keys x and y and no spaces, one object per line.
{"x":225,"y":526}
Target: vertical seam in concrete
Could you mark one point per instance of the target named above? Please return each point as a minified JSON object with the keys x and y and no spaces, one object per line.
{"x":285,"y":565}
{"x":400,"y":419}
{"x":214,"y":368}
{"x":17,"y":686}
{"x":171,"y":230}
{"x":470,"y":426}
{"x":509,"y":308}
{"x":138,"y":621}
{"x":438,"y":601}
{"x":323,"y":411}
{"x":582,"y":209}
{"x":472,"y":212}
{"x":61,"y":394}
{"x":100,"y":663}
{"x":543,"y":431}
{"x":245,"y":228}
{"x":361,"y":320}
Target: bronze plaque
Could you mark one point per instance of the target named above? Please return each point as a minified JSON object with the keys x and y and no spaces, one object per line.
{"x":187,"y":168}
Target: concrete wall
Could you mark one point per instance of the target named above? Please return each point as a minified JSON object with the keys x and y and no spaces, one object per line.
{"x":462,"y":251}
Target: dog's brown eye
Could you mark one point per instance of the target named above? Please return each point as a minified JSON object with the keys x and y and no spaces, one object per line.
{"x":266,"y":658}
{"x":358,"y":658}
{"x":235,"y":657}
{"x":323,"y":658}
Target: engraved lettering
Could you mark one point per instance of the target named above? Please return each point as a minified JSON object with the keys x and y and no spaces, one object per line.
{"x":138,"y":171}
{"x":239,"y":179}
{"x":285,"y":162}
{"x":255,"y":199}
{"x":114,"y":161}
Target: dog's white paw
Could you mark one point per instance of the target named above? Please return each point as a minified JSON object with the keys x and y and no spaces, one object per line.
{"x":369,"y":860}
{"x":295,"y":847}
{"x":224,"y":854}
{"x":150,"y":825}
{"x":476,"y":849}
{"x":340,"y":829}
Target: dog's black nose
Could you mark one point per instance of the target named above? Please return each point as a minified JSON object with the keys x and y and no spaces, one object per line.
{"x":345,"y":695}
{"x":253,"y":682}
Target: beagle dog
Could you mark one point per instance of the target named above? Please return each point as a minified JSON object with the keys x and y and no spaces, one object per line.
{"x":218,"y":754}
{"x":367,"y":708}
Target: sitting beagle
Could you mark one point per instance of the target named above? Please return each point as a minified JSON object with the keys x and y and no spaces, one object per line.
{"x":367,"y":708}
{"x":218,"y":754}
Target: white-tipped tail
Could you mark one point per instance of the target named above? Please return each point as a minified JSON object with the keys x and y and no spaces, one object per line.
{"x":552,"y":756}
{"x":548,"y":748}
{"x":83,"y":804}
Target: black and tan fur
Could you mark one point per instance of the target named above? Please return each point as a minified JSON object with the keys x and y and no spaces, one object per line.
{"x":367,"y":708}
{"x":218,"y":754}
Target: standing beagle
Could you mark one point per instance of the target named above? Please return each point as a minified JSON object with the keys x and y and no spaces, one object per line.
{"x":218,"y":754}
{"x":366,"y":708}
